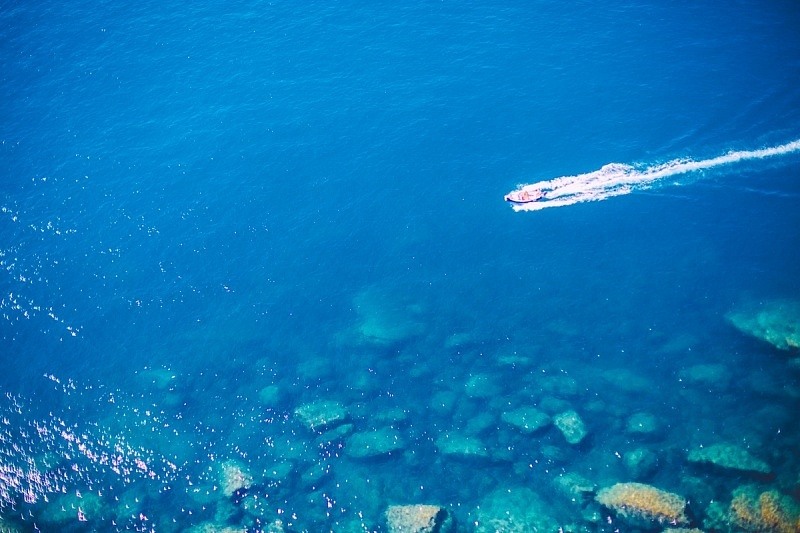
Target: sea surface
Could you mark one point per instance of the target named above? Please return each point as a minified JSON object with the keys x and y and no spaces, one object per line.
{"x":218,"y":217}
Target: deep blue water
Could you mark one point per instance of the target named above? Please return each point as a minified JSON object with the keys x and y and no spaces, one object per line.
{"x":215,"y":189}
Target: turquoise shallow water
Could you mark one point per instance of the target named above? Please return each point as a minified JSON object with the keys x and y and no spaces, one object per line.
{"x":213,"y":215}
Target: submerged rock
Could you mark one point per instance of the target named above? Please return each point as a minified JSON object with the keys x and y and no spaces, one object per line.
{"x":553,"y":454}
{"x":368,"y":444}
{"x":461,"y":446}
{"x":395,"y":417}
{"x":335,"y":435}
{"x":776,"y":322}
{"x":316,"y":474}
{"x":280,"y":471}
{"x":351,"y":524}
{"x":480,"y":423}
{"x":640,"y":463}
{"x":642,"y":424}
{"x":460,"y":340}
{"x":514,"y":360}
{"x":276,"y":526}
{"x":64,"y":510}
{"x":384,"y":318}
{"x":768,"y":511}
{"x":8,"y":527}
{"x":225,"y":511}
{"x":321,"y":415}
{"x":482,"y":386}
{"x":558,"y":385}
{"x":526,"y":419}
{"x":418,"y":519}
{"x":517,"y":510}
{"x":729,"y":456}
{"x":444,"y":402}
{"x":214,"y":527}
{"x":270,"y":395}
{"x":160,"y":378}
{"x":571,"y":426}
{"x":641,"y":504}
{"x":710,"y":375}
{"x":576,"y":487}
{"x":232,"y":477}
{"x":553,"y":405}
{"x":627,"y":381}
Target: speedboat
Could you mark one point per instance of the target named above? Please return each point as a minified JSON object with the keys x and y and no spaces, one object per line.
{"x":524,"y":196}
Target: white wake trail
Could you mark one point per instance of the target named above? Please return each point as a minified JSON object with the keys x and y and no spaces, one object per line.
{"x":616,"y":179}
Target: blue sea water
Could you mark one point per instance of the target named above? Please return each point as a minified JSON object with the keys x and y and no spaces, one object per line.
{"x":214,"y":213}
